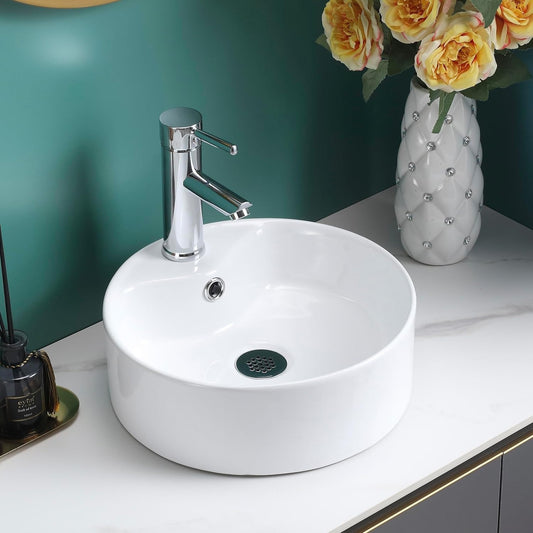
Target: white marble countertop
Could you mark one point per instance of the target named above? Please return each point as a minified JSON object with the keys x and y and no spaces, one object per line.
{"x":472,"y":387}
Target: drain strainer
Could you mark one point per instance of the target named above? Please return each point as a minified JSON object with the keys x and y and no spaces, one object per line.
{"x":261,"y":363}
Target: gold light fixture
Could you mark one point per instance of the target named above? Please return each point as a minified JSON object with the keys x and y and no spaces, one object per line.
{"x":66,"y":3}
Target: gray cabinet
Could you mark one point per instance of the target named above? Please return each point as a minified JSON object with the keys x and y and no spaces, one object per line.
{"x":516,"y":514}
{"x":468,"y":505}
{"x":491,"y":493}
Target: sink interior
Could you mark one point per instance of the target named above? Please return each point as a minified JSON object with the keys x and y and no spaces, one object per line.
{"x":322,"y":306}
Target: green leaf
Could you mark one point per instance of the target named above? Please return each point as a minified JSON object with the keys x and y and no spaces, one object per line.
{"x":478,"y":92}
{"x":322,"y":41}
{"x":487,"y":8}
{"x":372,"y":78}
{"x":387,"y":39}
{"x":401,"y":56}
{"x":511,"y":69}
{"x":433,"y":95}
{"x":458,"y":6}
{"x":445,"y":101}
{"x":526,"y":46}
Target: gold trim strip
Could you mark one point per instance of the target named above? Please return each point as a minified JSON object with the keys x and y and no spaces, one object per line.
{"x":433,"y":492}
{"x":517,"y":444}
{"x":507,"y":445}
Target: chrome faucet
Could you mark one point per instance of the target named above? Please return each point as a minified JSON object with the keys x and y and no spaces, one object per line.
{"x":185,"y":186}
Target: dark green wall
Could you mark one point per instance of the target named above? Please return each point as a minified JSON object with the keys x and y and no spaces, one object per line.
{"x":506,"y":122}
{"x":80,"y":97}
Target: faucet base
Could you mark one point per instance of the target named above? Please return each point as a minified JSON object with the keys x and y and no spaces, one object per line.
{"x":182,"y":256}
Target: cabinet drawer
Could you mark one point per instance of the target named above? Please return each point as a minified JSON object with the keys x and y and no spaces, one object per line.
{"x":490,"y":493}
{"x":516,"y":514}
{"x":469,"y":505}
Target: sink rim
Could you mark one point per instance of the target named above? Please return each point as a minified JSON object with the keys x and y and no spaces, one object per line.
{"x":270,"y":383}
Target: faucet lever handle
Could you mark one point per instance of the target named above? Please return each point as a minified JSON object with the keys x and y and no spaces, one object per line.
{"x":215,"y":141}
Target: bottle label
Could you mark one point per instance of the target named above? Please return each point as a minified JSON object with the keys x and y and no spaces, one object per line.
{"x":22,"y":408}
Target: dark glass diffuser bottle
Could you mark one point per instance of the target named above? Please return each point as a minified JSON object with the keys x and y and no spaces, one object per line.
{"x":22,"y":402}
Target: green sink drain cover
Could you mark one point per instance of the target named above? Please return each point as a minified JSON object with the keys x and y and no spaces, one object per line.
{"x":261,"y":363}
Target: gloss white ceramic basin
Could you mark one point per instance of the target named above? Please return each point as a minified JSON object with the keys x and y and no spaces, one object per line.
{"x":336,"y":307}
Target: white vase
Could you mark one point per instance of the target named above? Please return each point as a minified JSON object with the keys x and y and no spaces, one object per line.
{"x":439,"y":180}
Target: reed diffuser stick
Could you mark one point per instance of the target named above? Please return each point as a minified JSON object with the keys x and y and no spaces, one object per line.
{"x":7,"y":299}
{"x":2,"y":329}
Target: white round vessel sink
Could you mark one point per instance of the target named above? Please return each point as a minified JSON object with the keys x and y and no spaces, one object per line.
{"x":286,"y":347}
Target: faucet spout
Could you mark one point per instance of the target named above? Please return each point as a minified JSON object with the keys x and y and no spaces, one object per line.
{"x":240,"y":214}
{"x":217,"y":195}
{"x":185,"y":186}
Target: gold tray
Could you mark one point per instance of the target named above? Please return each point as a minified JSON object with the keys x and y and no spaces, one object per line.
{"x":68,"y":409}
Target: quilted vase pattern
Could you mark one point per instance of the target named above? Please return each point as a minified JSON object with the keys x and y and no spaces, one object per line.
{"x":439,"y":180}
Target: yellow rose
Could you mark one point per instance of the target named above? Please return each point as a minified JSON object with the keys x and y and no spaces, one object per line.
{"x":513,"y":24}
{"x":458,"y":55}
{"x":353,"y":32}
{"x":412,"y":20}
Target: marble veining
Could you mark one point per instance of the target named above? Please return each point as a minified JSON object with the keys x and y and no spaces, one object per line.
{"x":82,"y":366}
{"x":502,"y":260}
{"x":461,"y":325}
